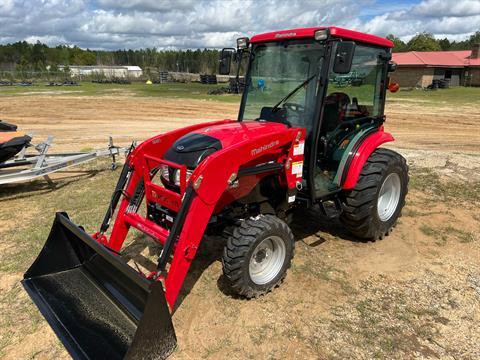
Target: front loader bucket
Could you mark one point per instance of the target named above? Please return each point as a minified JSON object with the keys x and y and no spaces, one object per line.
{"x":98,"y":306}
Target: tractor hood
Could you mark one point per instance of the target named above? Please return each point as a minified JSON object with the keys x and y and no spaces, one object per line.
{"x":194,"y":147}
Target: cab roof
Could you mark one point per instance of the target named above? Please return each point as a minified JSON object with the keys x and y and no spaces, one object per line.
{"x":302,"y":33}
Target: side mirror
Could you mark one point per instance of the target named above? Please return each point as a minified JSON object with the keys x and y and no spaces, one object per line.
{"x":225,"y":61}
{"x":344,"y":57}
{"x":392,"y":66}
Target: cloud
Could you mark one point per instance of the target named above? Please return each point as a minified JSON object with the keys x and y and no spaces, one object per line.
{"x":147,"y":5}
{"x":118,"y":24}
{"x":455,"y":19}
{"x":442,"y":8}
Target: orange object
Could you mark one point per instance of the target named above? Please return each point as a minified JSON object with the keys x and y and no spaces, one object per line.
{"x":6,"y":136}
{"x":393,"y":87}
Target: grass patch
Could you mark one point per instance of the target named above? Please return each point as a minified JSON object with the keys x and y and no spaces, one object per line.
{"x":84,"y":198}
{"x":462,"y":235}
{"x":442,"y":235}
{"x":19,"y":316}
{"x":28,"y":211}
{"x":385,"y":321}
{"x":457,"y":95}
{"x":449,"y":97}
{"x":326,"y":272}
{"x":426,"y":180}
{"x":438,"y":235}
{"x":170,"y":90}
{"x":415,"y":213}
{"x":217,"y":347}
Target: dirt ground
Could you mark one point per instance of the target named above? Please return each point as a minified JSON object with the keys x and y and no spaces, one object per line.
{"x":85,"y":121}
{"x":415,"y":294}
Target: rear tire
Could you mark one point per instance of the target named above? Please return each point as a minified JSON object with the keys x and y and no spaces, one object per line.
{"x":372,"y":208}
{"x":257,"y":255}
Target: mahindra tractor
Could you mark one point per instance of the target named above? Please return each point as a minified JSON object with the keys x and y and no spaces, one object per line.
{"x":308,"y":132}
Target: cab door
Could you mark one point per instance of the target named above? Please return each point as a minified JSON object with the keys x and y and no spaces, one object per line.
{"x":352,"y":108}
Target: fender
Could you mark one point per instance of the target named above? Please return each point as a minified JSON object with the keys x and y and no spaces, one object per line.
{"x":369,"y":145}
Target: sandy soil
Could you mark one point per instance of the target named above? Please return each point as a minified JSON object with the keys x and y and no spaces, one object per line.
{"x":415,"y":294}
{"x":418,"y":125}
{"x":78,"y":122}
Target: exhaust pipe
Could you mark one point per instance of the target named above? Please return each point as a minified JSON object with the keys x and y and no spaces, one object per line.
{"x":99,"y":307}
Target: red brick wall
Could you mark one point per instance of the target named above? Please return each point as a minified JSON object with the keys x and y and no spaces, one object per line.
{"x":475,"y":79}
{"x":413,"y":76}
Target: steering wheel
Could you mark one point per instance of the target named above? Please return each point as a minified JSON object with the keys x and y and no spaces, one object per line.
{"x":294,"y":107}
{"x":294,"y":112}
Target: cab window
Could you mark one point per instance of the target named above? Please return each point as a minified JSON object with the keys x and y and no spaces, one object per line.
{"x":356,"y":94}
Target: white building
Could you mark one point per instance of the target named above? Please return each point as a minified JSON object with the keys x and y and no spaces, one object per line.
{"x":106,"y":71}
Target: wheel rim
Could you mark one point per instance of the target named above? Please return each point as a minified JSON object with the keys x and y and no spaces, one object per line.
{"x":267,"y":260}
{"x":389,"y":196}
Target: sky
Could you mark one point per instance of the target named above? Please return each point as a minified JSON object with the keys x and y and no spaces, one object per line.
{"x":183,"y":24}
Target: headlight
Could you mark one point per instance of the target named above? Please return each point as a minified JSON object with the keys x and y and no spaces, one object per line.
{"x":176,"y":176}
{"x":164,"y":172}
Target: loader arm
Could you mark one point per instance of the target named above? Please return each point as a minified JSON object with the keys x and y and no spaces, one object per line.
{"x":209,"y":182}
{"x":196,"y":201}
{"x":135,"y":162}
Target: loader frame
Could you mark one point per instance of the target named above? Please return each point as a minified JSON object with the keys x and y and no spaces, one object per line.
{"x":196,"y":201}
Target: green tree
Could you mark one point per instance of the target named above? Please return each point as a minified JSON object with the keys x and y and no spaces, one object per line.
{"x":423,"y":42}
{"x":38,"y":58}
{"x":67,"y":71}
{"x":445,"y":44}
{"x":398,"y":44}
{"x":474,"y":38}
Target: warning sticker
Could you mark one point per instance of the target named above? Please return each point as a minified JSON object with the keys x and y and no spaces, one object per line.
{"x":299,"y":148}
{"x":297,"y":168}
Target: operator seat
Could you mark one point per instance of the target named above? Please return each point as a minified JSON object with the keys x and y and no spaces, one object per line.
{"x":335,"y":109}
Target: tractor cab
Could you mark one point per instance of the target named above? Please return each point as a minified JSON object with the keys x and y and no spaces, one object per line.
{"x":330,"y":81}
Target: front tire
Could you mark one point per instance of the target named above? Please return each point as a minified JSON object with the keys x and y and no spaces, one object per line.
{"x":257,"y":255}
{"x":372,"y":208}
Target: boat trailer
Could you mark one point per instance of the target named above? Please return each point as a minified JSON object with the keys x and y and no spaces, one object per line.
{"x":26,"y":167}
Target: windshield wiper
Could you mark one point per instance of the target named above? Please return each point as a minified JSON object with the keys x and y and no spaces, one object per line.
{"x":293,"y":92}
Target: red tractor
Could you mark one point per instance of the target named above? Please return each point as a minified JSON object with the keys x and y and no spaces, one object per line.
{"x":307,"y":134}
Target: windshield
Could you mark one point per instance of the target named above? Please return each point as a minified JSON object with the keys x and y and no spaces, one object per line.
{"x":285,"y":71}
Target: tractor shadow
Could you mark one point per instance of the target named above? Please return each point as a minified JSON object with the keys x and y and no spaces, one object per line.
{"x":311,"y":222}
{"x":143,"y":253}
{"x":306,"y":223}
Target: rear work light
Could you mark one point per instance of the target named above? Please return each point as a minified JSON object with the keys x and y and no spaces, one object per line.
{"x":242,"y":43}
{"x":321,"y":35}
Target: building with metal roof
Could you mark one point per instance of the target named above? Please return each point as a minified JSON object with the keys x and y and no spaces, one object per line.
{"x":118,"y":71}
{"x":420,"y":68}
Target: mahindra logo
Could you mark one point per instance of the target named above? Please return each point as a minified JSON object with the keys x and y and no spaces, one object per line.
{"x":286,"y":35}
{"x":165,"y":200}
{"x":265,"y":147}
